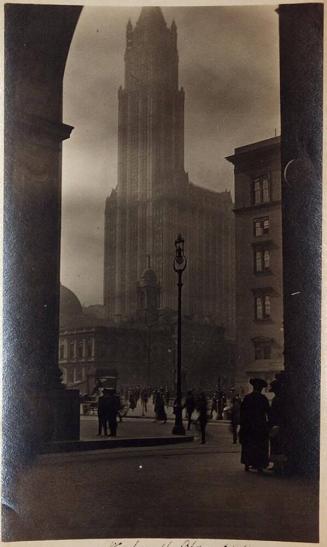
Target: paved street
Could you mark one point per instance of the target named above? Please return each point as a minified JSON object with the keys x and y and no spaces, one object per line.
{"x":192,"y":490}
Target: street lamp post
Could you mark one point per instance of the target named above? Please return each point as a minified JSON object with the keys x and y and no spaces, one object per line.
{"x":180,"y":263}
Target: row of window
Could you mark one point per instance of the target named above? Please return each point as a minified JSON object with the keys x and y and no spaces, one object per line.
{"x":261,"y":193}
{"x":77,"y":349}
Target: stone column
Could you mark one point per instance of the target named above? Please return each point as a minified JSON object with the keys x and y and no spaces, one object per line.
{"x":36,"y":406}
{"x":301,"y":48}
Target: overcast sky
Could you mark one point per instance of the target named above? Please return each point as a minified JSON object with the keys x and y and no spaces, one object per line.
{"x":228,"y":66}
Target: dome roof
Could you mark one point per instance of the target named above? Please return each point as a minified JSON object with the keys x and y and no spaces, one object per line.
{"x":149,"y":278}
{"x":70,"y":306}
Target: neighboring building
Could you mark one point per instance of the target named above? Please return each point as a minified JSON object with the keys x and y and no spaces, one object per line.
{"x":83,"y":341}
{"x":82,"y":353}
{"x":140,"y":350}
{"x":258,"y":234}
{"x":154,"y":199}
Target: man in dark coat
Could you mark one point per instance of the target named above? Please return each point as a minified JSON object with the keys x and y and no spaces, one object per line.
{"x":102,"y":423}
{"x":254,"y":430}
{"x":111,"y":403}
{"x":159,"y":407}
{"x":202,"y":409}
{"x":189,"y":406}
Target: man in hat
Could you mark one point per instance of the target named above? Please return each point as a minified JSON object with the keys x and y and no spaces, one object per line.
{"x":112,"y":407}
{"x":254,"y":428}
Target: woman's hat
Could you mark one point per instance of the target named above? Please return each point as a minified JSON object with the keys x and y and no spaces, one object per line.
{"x":258,"y":383}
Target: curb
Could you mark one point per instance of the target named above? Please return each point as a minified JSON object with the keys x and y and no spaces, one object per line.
{"x":81,"y":446}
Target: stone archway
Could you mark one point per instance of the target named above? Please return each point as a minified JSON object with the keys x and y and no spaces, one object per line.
{"x":37,"y":43}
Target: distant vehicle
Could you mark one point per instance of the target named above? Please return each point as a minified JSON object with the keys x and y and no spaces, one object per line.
{"x":105,"y":379}
{"x":107,"y":382}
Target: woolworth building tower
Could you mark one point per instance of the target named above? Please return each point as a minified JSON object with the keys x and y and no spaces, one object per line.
{"x":154,"y":199}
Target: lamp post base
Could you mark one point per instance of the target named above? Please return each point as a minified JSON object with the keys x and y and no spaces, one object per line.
{"x":178,"y":429}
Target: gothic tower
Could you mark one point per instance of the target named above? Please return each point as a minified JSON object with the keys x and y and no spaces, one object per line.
{"x":150,"y":157}
{"x":154,"y":200}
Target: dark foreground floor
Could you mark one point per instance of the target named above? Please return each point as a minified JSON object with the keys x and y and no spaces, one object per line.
{"x":191,"y":490}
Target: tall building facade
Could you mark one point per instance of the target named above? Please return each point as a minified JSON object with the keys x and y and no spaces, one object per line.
{"x":154,"y":199}
{"x":258,"y":235}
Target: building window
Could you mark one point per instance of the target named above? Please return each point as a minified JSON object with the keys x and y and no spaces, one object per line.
{"x":89,"y":348}
{"x":70,"y":376}
{"x":262,"y":307}
{"x":78,"y":374}
{"x":261,"y":190}
{"x":261,"y":260}
{"x":80,"y":352}
{"x":72,"y":350}
{"x":262,"y":350}
{"x":62,"y":352}
{"x":261,"y":226}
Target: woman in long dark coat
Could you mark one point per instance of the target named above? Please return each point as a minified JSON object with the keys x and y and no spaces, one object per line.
{"x":159,"y":407}
{"x":254,"y":428}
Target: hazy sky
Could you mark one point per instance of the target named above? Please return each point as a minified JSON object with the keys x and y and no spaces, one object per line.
{"x":228,"y":66}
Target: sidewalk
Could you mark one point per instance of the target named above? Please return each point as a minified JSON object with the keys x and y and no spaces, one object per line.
{"x":190,"y":490}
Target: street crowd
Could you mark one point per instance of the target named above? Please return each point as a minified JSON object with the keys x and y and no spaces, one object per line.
{"x":258,"y":425}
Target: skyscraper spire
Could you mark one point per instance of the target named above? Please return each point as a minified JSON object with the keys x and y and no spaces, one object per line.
{"x":151,"y":17}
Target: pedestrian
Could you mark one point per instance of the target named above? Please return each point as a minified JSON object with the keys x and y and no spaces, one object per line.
{"x":189,"y":406}
{"x":102,"y":423}
{"x":235,"y":416}
{"x":202,"y":409}
{"x":112,"y":405}
{"x":132,"y":400}
{"x":254,"y":428}
{"x":277,"y":424}
{"x":144,"y":401}
{"x":159,"y":407}
{"x":214,"y":406}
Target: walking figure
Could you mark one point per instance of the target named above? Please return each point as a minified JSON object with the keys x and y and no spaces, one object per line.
{"x":254,"y":428}
{"x":132,"y":400}
{"x":159,"y":407}
{"x":214,"y":406}
{"x":102,"y":423}
{"x":111,"y":406}
{"x":144,"y":401}
{"x":189,"y":406}
{"x":203,"y":415}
